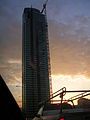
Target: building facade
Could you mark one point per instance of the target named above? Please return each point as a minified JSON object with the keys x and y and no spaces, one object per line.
{"x":35,"y":61}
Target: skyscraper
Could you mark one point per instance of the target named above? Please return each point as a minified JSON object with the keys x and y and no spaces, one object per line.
{"x":35,"y":61}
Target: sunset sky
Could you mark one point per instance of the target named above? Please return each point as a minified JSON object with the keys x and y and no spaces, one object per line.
{"x":69,"y":38}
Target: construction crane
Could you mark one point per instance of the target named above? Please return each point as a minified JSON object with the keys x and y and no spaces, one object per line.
{"x":44,"y":7}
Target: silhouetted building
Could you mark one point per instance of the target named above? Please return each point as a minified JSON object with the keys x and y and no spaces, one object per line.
{"x":35,"y":61}
{"x":9,"y":109}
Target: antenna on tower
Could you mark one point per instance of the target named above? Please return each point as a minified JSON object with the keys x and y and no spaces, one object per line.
{"x":44,"y":7}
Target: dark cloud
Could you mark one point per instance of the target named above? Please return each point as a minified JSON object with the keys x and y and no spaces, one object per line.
{"x":10,"y":43}
{"x":65,"y":10}
{"x":69,"y":35}
{"x":10,"y":31}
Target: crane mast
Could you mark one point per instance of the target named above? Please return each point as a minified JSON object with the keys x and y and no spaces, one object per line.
{"x":49,"y":66}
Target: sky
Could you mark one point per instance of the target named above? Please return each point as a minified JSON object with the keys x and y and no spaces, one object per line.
{"x":69,"y":41}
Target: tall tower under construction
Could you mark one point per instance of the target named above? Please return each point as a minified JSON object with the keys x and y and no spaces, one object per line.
{"x":35,"y":61}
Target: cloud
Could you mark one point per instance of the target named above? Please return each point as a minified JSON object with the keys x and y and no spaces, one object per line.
{"x":64,"y":10}
{"x":13,"y":61}
{"x":75,"y":82}
{"x":69,"y":35}
{"x":69,"y":48}
{"x":10,"y":46}
{"x":11,"y":71}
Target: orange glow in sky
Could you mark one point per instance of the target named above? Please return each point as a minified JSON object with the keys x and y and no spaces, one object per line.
{"x":75,"y":82}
